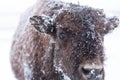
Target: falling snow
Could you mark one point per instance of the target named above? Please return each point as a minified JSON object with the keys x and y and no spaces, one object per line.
{"x":9,"y":15}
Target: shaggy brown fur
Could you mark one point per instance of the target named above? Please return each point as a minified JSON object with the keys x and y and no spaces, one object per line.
{"x":66,"y":43}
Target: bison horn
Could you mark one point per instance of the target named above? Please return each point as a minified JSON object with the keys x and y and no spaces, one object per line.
{"x":43,"y":24}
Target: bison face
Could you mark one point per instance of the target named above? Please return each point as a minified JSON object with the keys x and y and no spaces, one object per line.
{"x":78,"y":37}
{"x":79,"y":53}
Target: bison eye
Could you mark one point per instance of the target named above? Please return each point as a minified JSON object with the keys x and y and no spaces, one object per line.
{"x":63,"y":36}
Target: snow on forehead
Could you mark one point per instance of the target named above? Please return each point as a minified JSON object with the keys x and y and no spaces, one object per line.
{"x":79,"y":16}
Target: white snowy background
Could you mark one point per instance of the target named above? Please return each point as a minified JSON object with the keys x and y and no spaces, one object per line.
{"x":10,"y":11}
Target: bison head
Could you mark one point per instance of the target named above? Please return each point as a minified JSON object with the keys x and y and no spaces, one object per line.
{"x":78,"y":35}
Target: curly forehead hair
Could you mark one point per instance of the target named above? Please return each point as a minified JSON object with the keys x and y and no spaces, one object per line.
{"x":81,"y":16}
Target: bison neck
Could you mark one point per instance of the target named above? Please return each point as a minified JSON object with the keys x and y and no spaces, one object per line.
{"x":48,"y":68}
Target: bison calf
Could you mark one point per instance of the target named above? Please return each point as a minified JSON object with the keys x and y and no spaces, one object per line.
{"x":60,"y":41}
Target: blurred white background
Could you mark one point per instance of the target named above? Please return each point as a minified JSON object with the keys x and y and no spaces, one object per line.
{"x":10,"y":11}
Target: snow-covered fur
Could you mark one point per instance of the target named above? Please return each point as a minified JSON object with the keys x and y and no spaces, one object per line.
{"x":60,"y":41}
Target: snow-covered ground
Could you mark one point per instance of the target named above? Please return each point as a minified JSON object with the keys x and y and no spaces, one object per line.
{"x":10,"y":11}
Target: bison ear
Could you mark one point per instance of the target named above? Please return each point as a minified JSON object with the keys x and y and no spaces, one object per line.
{"x":43,"y":24}
{"x":110,"y":24}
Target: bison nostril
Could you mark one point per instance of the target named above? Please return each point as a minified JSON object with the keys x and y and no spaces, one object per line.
{"x":92,"y":73}
{"x":86,"y":71}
